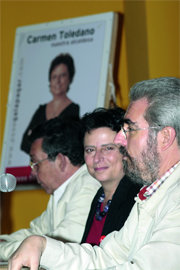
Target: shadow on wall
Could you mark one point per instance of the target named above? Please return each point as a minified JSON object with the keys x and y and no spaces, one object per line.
{"x":117,"y":57}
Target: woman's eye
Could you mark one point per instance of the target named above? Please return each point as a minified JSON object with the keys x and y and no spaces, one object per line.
{"x":110,"y":148}
{"x":89,"y":150}
{"x":53,"y":77}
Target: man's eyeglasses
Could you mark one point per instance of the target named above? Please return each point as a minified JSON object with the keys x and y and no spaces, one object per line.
{"x":130,"y":130}
{"x":35,"y":165}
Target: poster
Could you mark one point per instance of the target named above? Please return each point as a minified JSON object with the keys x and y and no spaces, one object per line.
{"x":88,"y":40}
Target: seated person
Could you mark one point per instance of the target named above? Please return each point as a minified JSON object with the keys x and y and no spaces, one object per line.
{"x":114,"y":200}
{"x":57,"y":160}
{"x":150,"y":237}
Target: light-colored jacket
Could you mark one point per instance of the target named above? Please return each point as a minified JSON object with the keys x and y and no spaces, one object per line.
{"x":149,"y":240}
{"x":67,"y":221}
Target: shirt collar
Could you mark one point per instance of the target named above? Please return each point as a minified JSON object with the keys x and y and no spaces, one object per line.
{"x":60,"y":190}
{"x":150,"y":190}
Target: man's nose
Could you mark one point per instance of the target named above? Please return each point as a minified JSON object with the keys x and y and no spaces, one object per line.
{"x":120,"y":139}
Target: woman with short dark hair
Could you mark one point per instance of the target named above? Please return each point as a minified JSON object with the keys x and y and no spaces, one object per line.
{"x":114,"y":200}
{"x":61,"y":74}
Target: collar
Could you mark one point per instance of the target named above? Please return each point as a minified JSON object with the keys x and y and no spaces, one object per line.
{"x":60,"y":190}
{"x":148,"y":191}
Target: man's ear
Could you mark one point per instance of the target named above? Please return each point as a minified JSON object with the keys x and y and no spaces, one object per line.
{"x":167,"y":136}
{"x":61,"y":161}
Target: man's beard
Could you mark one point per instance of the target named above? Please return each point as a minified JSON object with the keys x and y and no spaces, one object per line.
{"x":144,"y":170}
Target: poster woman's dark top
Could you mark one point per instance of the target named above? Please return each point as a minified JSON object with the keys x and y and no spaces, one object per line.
{"x":39,"y":117}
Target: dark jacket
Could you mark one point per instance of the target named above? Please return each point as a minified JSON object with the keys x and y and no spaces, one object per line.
{"x":122,"y":202}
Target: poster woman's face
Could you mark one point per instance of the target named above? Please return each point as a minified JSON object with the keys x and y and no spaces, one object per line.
{"x":60,"y":81}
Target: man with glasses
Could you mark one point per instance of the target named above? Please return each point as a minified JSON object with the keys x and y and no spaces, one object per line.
{"x":150,"y":238}
{"x":57,"y":161}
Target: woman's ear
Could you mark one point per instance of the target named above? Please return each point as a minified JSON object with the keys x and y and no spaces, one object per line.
{"x":166,"y":137}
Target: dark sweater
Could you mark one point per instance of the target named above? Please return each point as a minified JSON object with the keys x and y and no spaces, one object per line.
{"x":39,"y":117}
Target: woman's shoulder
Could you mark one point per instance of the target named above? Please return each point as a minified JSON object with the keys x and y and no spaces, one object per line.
{"x":72,"y":110}
{"x":73,"y":105}
{"x":42,"y":106}
{"x":127,"y":188}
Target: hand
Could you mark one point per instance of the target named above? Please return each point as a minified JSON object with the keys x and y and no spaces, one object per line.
{"x":28,"y":254}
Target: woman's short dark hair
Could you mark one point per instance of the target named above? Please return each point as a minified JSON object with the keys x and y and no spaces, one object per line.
{"x":102,"y":117}
{"x":65,"y":59}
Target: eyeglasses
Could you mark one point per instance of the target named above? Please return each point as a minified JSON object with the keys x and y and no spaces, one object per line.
{"x":130,"y":130}
{"x":35,"y":165}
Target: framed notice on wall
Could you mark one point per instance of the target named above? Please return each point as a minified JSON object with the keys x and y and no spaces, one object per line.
{"x":90,"y":42}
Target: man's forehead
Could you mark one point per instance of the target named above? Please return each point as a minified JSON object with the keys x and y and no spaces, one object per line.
{"x":36,"y":146}
{"x":136,"y":111}
{"x":37,"y":142}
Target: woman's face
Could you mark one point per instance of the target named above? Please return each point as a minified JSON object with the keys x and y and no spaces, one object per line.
{"x":102,"y":156}
{"x":60,"y":81}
